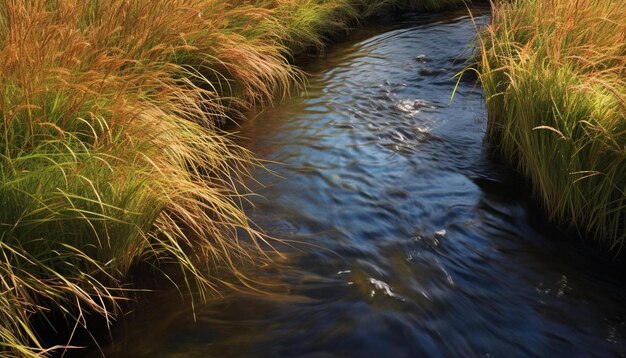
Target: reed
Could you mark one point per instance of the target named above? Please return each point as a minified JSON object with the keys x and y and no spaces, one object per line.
{"x":554,"y":77}
{"x":111,"y":152}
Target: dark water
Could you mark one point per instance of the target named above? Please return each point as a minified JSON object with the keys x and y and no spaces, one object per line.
{"x":419,"y":244}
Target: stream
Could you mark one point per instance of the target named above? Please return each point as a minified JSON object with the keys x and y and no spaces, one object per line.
{"x":412,"y":240}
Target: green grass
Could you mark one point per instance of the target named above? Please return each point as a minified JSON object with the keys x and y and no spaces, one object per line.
{"x":111,"y":153}
{"x":554,"y":77}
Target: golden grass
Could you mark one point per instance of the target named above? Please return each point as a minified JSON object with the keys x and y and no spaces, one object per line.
{"x":554,"y":75}
{"x":110,"y":155}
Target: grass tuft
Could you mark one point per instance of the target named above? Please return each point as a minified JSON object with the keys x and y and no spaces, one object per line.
{"x":554,"y":76}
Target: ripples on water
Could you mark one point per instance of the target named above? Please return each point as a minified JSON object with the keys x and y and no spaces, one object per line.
{"x":419,"y":244}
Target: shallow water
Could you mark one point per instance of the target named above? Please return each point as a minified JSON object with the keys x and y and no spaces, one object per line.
{"x":418,"y":244}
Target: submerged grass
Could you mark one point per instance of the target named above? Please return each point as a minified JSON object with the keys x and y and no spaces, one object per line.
{"x":111,"y":153}
{"x":554,"y":76}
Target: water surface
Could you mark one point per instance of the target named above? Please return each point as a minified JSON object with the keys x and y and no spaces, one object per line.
{"x":418,"y":244}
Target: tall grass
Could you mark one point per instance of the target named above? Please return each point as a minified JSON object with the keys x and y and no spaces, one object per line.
{"x":110,"y":155}
{"x":554,"y":75}
{"x":111,"y":152}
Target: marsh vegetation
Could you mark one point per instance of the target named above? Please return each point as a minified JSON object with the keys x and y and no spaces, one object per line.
{"x":114,"y":154}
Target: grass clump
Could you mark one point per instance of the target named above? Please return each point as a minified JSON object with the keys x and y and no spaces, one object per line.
{"x":554,"y":76}
{"x":110,"y":155}
{"x":111,"y":152}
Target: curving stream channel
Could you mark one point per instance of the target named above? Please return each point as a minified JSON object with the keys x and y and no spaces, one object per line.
{"x":417,"y":243}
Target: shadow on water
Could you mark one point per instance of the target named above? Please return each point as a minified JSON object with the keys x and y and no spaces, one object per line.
{"x":416,"y":242}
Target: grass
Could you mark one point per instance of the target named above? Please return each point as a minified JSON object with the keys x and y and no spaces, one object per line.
{"x":111,"y":152}
{"x":554,"y":77}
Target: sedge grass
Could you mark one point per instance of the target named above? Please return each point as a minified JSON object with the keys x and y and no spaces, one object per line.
{"x":554,"y":75}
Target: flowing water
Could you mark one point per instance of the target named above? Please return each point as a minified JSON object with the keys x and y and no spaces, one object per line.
{"x":417,"y":243}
